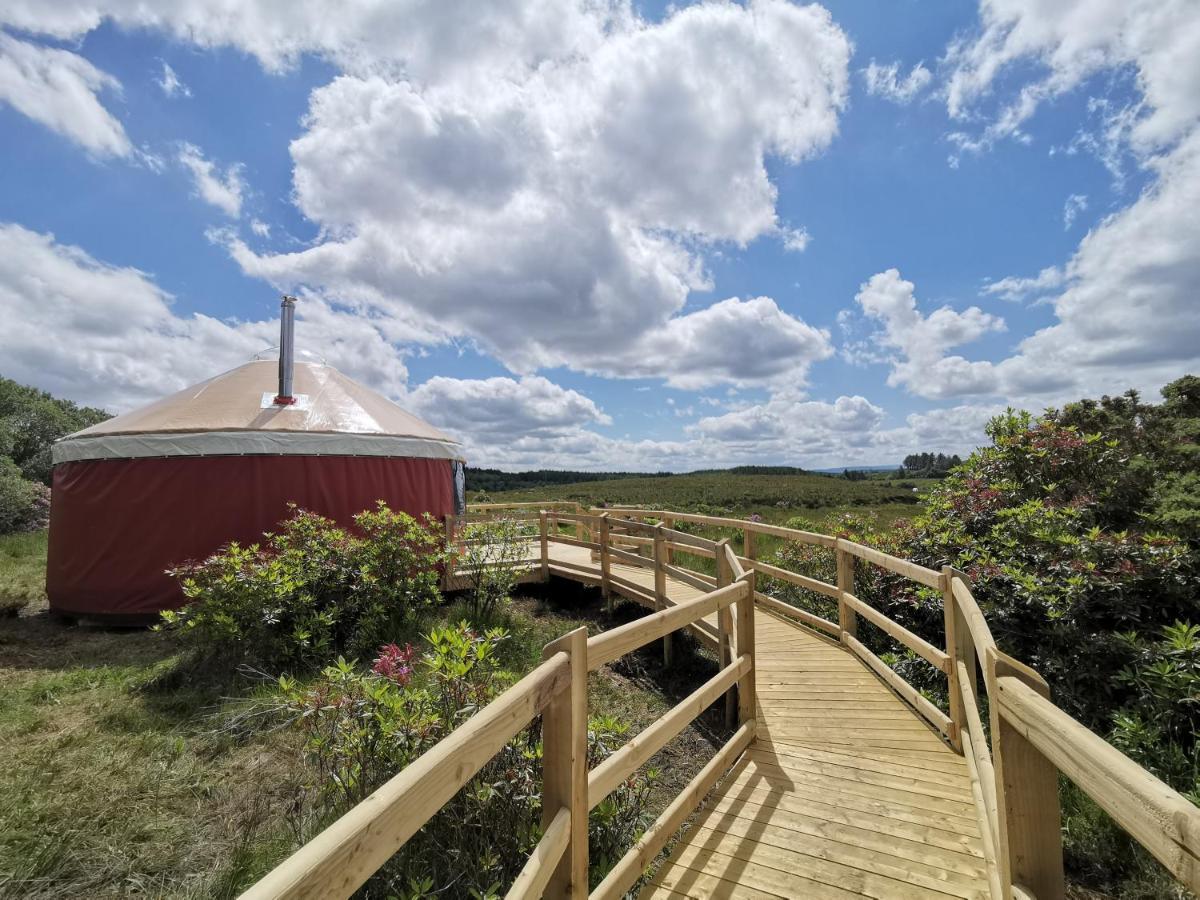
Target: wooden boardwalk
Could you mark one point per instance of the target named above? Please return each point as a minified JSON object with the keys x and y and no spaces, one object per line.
{"x":838,"y":780}
{"x":845,"y":792}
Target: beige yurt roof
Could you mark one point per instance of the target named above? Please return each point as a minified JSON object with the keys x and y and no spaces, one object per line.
{"x":234,"y":414}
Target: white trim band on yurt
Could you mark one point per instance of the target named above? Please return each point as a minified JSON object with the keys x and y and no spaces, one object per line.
{"x":250,"y":443}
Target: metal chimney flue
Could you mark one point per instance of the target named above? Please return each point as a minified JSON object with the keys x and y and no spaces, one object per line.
{"x":287,"y":350}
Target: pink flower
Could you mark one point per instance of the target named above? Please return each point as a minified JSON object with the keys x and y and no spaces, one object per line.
{"x":394,"y":663}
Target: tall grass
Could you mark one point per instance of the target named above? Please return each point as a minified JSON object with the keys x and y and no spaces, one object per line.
{"x":22,"y":571}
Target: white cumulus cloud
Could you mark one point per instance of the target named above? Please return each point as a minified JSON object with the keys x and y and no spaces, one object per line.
{"x":61,"y":89}
{"x":885,"y":80}
{"x":107,"y":335}
{"x":170,"y":83}
{"x":922,"y":341}
{"x":1072,"y":207}
{"x":221,"y":189}
{"x":562,"y":216}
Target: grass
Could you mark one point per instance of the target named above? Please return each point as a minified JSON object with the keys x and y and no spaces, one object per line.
{"x":123,"y":773}
{"x":22,"y":571}
{"x":774,"y":497}
{"x":117,"y":781}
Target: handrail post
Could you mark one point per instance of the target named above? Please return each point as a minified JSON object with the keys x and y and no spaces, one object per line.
{"x":669,"y":521}
{"x":847,"y":618}
{"x":578,"y":523}
{"x":1030,"y":818}
{"x":749,"y":543}
{"x":544,"y":534}
{"x":564,"y":766}
{"x":660,"y":585}
{"x":725,"y":630}
{"x":747,"y":692}
{"x":605,"y":561}
{"x":954,"y":642}
{"x":967,"y":651}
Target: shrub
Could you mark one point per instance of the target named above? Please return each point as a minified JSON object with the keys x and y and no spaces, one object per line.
{"x":364,"y":727}
{"x":1079,"y":531}
{"x":1159,"y":728}
{"x":311,"y":591}
{"x":489,"y":556}
{"x":24,"y":505}
{"x":31,"y":420}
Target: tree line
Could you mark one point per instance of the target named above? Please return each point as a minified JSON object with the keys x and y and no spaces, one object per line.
{"x":30,"y":422}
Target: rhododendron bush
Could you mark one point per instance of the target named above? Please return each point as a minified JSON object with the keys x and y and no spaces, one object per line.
{"x":362,"y":726}
{"x":312,"y":589}
{"x":1080,"y":533}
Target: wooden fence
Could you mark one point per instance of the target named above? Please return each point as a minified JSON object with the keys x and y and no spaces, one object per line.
{"x":1013,"y":764}
{"x":1014,"y":776}
{"x":340,"y":859}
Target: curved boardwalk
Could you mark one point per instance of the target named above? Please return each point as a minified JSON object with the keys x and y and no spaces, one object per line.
{"x":845,"y":792}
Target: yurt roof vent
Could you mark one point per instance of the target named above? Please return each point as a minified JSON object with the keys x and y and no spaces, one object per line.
{"x":287,"y":350}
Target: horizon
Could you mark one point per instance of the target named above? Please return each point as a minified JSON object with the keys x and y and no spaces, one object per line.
{"x":605,"y":237}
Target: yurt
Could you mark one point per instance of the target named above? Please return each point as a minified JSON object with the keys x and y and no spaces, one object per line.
{"x":221,"y":461}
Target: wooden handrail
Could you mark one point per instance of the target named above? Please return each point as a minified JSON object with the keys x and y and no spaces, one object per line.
{"x":342,"y":857}
{"x":981,"y":635}
{"x":936,"y":717}
{"x":607,"y":776}
{"x":794,"y":612}
{"x":918,"y":645}
{"x":1161,"y":819}
{"x":587,"y":518}
{"x":911,"y":570}
{"x":610,"y":645}
{"x":631,"y":559}
{"x":531,"y":504}
{"x":1013,"y":786}
{"x":536,"y":874}
{"x":735,"y":566}
{"x":631,"y":866}
{"x":978,"y":755}
{"x":792,"y":534}
{"x":811,"y":584}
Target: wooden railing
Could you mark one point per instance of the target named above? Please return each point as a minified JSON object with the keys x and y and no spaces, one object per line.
{"x":1013,"y":764}
{"x":340,"y":859}
{"x":1014,"y":778}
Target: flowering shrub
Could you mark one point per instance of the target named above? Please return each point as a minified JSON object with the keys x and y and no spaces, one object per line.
{"x":395,"y":664}
{"x":363,"y":727}
{"x":1080,"y":531}
{"x":312,"y":590}
{"x":1032,"y":522}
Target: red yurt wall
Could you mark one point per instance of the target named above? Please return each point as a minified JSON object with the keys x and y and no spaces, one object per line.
{"x":116,"y":525}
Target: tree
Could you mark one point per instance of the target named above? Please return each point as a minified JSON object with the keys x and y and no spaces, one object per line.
{"x":928,"y":465}
{"x":32,"y":420}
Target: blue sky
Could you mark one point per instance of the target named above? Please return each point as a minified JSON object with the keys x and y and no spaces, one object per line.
{"x":612,"y":237}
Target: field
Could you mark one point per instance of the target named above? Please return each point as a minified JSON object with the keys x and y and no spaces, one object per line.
{"x":124,"y":773}
{"x":776,"y":498}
